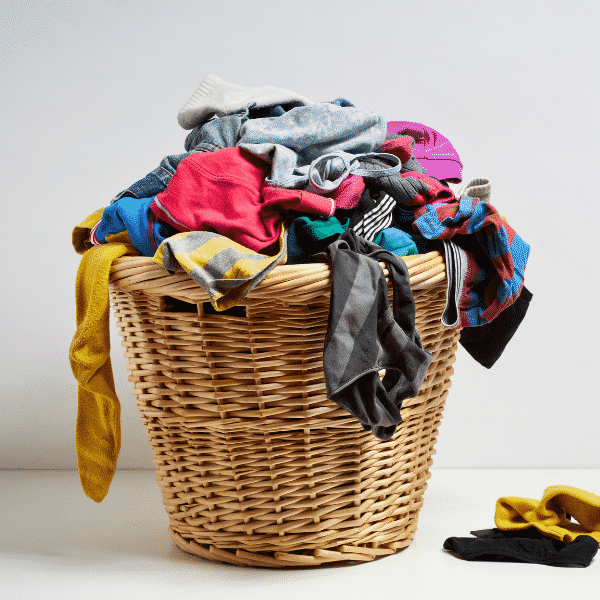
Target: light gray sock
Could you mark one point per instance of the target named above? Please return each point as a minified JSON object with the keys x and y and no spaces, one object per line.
{"x":215,"y":96}
{"x":477,"y":188}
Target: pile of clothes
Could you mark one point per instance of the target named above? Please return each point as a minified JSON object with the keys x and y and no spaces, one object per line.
{"x":560,"y":530}
{"x":269,"y":177}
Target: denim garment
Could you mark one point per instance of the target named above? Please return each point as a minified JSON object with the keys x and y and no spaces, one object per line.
{"x":263,"y":112}
{"x":342,"y":102}
{"x":294,"y":140}
{"x":276,"y":110}
{"x":225,"y":132}
{"x":217,"y":134}
{"x":208,"y":137}
{"x":155,"y":182}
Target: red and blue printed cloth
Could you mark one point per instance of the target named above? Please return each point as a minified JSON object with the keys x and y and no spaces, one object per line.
{"x":496,"y":254}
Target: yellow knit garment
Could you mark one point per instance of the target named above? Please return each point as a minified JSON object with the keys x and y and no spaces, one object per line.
{"x":98,"y":428}
{"x":549,"y":514}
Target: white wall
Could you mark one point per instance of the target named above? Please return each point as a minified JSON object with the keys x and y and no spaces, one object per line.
{"x":89,"y":97}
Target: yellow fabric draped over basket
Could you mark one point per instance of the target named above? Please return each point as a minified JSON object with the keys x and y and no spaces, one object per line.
{"x":255,"y":464}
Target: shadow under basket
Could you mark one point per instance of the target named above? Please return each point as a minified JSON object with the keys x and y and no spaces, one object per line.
{"x":256,"y":466}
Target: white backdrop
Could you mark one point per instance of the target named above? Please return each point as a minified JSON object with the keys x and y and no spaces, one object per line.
{"x":89,"y":96}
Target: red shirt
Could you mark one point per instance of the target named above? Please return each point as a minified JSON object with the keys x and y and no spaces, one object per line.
{"x":223,"y":191}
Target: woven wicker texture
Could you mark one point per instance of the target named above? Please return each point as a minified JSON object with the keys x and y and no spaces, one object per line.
{"x":256,"y":466}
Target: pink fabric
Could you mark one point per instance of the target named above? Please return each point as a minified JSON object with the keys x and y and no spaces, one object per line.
{"x":298,"y":200}
{"x":433,"y":151}
{"x":348,"y":193}
{"x":401,"y":147}
{"x":223,"y":191}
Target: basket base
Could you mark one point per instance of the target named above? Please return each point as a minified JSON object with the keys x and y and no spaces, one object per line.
{"x":316,"y":558}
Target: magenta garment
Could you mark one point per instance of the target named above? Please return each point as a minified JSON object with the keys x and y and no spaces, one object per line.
{"x":433,"y":151}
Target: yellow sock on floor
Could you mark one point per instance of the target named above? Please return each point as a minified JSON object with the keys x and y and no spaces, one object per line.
{"x":548,"y":515}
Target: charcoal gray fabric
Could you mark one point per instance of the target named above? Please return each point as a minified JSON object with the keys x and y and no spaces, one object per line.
{"x":364,"y":335}
{"x":528,"y":545}
{"x":486,"y":343}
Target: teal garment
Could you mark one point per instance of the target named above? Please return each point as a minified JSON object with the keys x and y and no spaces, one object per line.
{"x":396,"y":241}
{"x":309,"y":235}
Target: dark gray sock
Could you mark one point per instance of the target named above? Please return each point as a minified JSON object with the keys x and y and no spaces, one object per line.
{"x":528,"y":545}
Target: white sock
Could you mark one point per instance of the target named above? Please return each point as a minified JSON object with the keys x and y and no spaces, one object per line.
{"x":477,"y":188}
{"x":221,"y":98}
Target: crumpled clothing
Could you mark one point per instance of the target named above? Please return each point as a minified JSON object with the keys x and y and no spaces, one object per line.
{"x":214,"y":96}
{"x":277,"y":110}
{"x":414,"y":189}
{"x":134,"y":216}
{"x":290,"y":143}
{"x":347,"y":195}
{"x":224,"y":192}
{"x":403,"y":147}
{"x":396,"y":241}
{"x":487,"y":262}
{"x":373,"y":214}
{"x":496,"y":255}
{"x":329,"y":171}
{"x":365,"y":336}
{"x":549,"y":515}
{"x":207,"y":137}
{"x":216,"y":134}
{"x":98,"y":429}
{"x":310,"y":235}
{"x":225,"y":269}
{"x":487,"y":342}
{"x":523,"y":546}
{"x":479,"y":187}
{"x":432,"y":150}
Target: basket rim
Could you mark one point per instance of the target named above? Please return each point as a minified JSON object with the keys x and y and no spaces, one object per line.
{"x":140,"y":273}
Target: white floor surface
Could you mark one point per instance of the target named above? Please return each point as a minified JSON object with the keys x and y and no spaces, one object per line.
{"x":57,"y":543}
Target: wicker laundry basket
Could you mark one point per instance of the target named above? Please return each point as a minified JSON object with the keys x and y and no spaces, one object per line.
{"x":256,"y":466}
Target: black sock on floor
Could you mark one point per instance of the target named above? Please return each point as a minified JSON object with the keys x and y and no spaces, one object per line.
{"x":528,"y":545}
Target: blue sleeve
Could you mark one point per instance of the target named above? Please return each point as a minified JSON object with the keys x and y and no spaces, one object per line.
{"x":110,"y":223}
